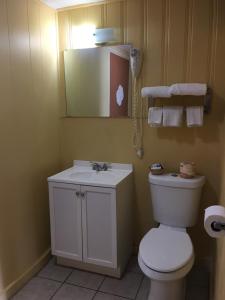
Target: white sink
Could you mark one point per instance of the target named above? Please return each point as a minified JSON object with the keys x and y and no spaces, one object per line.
{"x":82,"y":173}
{"x":101,"y":175}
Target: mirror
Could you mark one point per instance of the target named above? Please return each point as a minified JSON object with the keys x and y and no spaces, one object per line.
{"x":98,"y":81}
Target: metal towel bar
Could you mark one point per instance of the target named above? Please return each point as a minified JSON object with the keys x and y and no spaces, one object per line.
{"x":207,"y":101}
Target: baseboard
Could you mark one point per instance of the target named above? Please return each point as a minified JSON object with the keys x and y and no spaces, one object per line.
{"x":16,"y":285}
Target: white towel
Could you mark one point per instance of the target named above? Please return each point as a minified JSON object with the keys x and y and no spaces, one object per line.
{"x":172,"y":116}
{"x":155,"y":116}
{"x":194,"y":116}
{"x":193,"y":89}
{"x":156,"y":92}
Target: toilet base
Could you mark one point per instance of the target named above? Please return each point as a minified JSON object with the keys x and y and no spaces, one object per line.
{"x":166,"y":286}
{"x":163,"y":290}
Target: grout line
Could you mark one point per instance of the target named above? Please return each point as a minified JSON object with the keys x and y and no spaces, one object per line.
{"x":62,"y":283}
{"x":68,"y":275}
{"x":81,"y":286}
{"x":107,"y":293}
{"x":142,"y":280}
{"x":95,"y":294}
{"x":101,"y":283}
{"x":98,"y":289}
{"x":110,"y":294}
{"x":56,"y":291}
{"x":55,"y":280}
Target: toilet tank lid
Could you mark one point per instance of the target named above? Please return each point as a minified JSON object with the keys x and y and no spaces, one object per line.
{"x":174,"y":180}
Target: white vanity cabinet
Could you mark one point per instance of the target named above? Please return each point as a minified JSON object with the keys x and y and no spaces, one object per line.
{"x":91,"y":225}
{"x":83,"y":223}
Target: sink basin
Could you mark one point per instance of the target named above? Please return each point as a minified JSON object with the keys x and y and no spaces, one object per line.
{"x":82,"y":173}
{"x":79,"y":175}
{"x":93,"y":175}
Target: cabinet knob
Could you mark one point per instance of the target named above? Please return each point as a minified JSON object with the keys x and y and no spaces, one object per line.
{"x":77,"y":194}
{"x":82,"y":195}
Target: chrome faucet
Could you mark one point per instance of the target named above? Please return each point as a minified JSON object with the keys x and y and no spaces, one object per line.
{"x":98,"y":167}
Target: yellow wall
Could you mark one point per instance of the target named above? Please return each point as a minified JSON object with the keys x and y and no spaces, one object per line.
{"x":29,"y":131}
{"x":219,"y":268}
{"x":220,"y":87}
{"x":183,"y":41}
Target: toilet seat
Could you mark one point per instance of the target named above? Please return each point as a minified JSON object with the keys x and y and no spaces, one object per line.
{"x":158,"y":276}
{"x":166,"y":250}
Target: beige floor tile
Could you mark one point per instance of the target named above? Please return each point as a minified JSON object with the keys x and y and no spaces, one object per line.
{"x":54,"y":271}
{"x":71,"y":292}
{"x":37,"y":289}
{"x":102,"y":296}
{"x":85,"y":279}
{"x":124,"y":287}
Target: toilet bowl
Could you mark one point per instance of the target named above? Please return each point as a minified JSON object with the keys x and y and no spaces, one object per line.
{"x":166,"y":256}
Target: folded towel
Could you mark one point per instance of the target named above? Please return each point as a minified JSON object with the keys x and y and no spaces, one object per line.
{"x":156,"y":92}
{"x":172,"y":116}
{"x":194,"y":116}
{"x":155,"y":116}
{"x":193,"y":89}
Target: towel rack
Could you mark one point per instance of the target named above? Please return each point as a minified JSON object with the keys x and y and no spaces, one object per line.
{"x":207,"y":101}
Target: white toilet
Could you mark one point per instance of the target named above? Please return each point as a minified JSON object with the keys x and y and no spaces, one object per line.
{"x":166,"y":253}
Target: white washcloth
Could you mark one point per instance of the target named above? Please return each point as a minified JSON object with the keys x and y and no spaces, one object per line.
{"x":194,"y":116}
{"x":156,"y":92}
{"x":193,"y":89}
{"x":155,"y":116}
{"x":172,"y":116}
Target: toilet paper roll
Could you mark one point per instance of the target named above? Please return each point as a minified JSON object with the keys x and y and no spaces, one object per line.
{"x":215,"y":213}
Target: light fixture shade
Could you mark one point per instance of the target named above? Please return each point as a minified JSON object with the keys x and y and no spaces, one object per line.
{"x":104,"y":35}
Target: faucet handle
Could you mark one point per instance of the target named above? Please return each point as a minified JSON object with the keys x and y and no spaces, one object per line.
{"x":105,"y":167}
{"x":94,"y":166}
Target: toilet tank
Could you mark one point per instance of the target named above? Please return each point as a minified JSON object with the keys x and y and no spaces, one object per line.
{"x":175,"y":200}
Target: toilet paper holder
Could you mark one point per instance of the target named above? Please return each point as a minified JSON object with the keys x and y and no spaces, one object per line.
{"x":218,"y":226}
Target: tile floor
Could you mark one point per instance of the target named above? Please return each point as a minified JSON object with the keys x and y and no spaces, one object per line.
{"x":61,"y":283}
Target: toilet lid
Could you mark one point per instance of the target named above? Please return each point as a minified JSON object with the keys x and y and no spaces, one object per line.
{"x":166,"y":250}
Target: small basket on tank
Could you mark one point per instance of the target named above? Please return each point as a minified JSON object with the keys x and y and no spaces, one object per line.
{"x":157,"y":169}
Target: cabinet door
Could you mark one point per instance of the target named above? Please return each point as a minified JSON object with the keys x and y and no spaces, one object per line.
{"x":99,"y":225}
{"x":66,"y":227}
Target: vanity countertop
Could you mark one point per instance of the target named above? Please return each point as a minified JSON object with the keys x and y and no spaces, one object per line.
{"x":82,"y":173}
